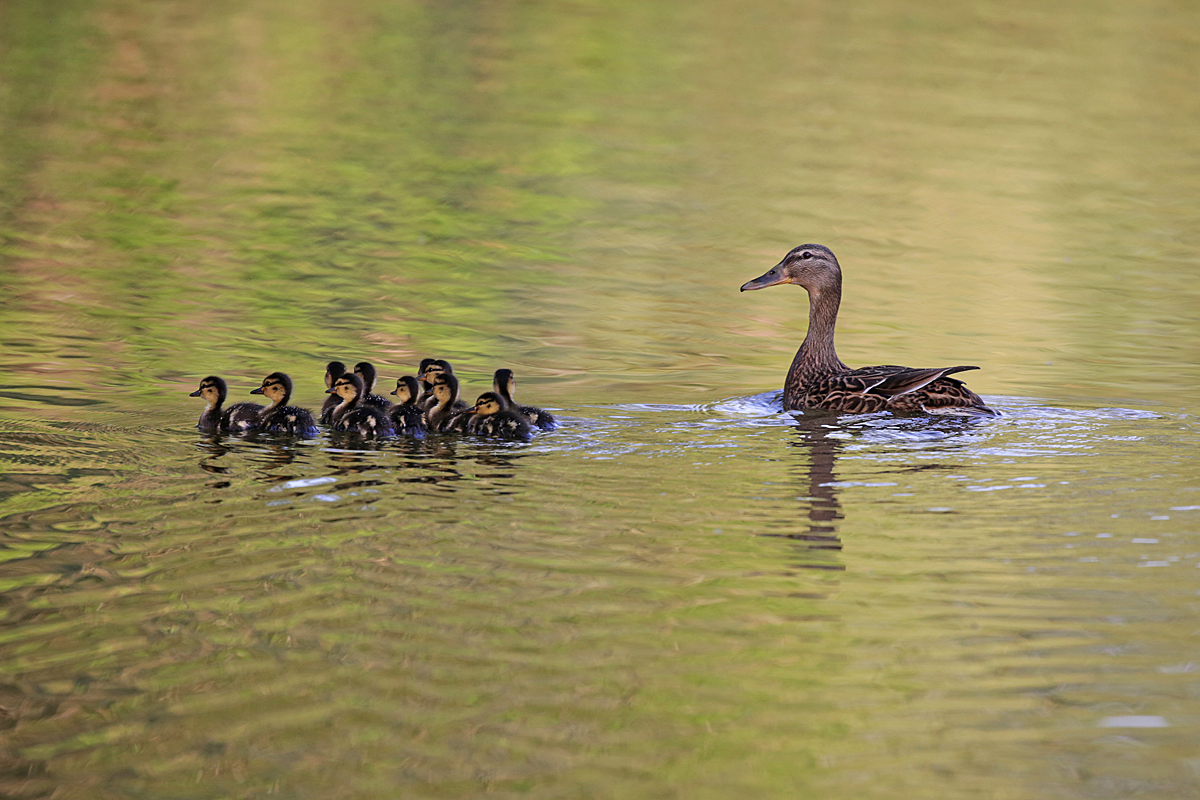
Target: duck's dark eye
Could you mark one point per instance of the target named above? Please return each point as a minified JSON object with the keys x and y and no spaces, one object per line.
{"x":805,"y":255}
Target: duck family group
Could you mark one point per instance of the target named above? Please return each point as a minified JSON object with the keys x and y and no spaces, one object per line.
{"x":426,"y":402}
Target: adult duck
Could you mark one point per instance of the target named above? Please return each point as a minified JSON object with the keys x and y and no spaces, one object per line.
{"x":819,"y":379}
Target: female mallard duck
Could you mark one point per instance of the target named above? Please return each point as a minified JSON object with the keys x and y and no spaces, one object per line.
{"x":279,"y":417}
{"x":238,"y":418}
{"x":354,"y":413}
{"x":819,"y":379}
{"x":405,"y":413}
{"x":503,"y":383}
{"x":494,"y":417}
{"x":366,"y":371}
{"x":333,"y":371}
{"x":444,"y":417}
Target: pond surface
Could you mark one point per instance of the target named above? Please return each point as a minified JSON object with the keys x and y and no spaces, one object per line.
{"x":682,"y":592}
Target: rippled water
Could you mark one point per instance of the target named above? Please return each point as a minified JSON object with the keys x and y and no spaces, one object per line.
{"x":682,"y":592}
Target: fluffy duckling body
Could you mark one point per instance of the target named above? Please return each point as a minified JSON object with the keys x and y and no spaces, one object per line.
{"x":366,"y":371}
{"x":238,"y":418}
{"x":429,"y":375}
{"x":279,"y":417}
{"x":405,"y":413}
{"x":424,"y":382}
{"x":493,"y":417}
{"x":444,"y":417}
{"x":819,"y":379}
{"x":503,"y":384}
{"x":353,"y":413}
{"x":333,"y":371}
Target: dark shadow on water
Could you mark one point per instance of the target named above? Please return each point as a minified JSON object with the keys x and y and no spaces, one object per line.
{"x":819,"y":503}
{"x":820,"y":438}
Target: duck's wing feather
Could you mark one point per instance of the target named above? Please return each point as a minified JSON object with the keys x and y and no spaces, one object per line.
{"x":889,"y":380}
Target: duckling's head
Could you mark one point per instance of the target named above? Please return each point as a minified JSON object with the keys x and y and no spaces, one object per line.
{"x":333,"y":370}
{"x":445,"y":388}
{"x":812,"y":266}
{"x":434,"y":368}
{"x":348,"y":387}
{"x":213,"y":390}
{"x":488,"y":403}
{"x":366,"y":371}
{"x":406,"y":390}
{"x":423,"y":372}
{"x":276,"y":387}
{"x":504,"y":382}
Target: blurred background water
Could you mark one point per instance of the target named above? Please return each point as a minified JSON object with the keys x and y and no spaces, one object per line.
{"x":682,"y":592}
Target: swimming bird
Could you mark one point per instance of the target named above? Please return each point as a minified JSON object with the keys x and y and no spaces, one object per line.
{"x":494,"y":417}
{"x":819,"y":379}
{"x":436,"y":367}
{"x":503,"y":383}
{"x":426,"y":386}
{"x":279,"y":417}
{"x":353,"y":413}
{"x":366,"y":371}
{"x":444,"y":417}
{"x":238,"y":418}
{"x":333,"y":371}
{"x":405,"y":413}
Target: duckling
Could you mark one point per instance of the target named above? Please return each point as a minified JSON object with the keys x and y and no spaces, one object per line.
{"x":444,"y":417}
{"x":493,"y":417}
{"x":436,"y":367}
{"x":424,"y":381}
{"x":238,"y":418}
{"x":279,"y":417}
{"x":353,"y":413}
{"x":405,"y":413}
{"x":366,"y":371}
{"x":503,"y":383}
{"x":333,"y":371}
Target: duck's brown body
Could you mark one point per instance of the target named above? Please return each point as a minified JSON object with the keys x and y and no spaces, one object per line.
{"x":819,"y":380}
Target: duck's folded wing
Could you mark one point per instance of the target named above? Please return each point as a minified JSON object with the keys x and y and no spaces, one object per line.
{"x":891,"y":381}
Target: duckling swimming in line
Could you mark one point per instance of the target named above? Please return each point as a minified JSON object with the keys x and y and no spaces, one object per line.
{"x":436,"y":367}
{"x":366,"y":371}
{"x":353,"y":413}
{"x":238,"y":418}
{"x":819,"y":379}
{"x":333,"y":371}
{"x":444,"y":417}
{"x":493,"y":417}
{"x":279,"y":417}
{"x":405,"y":413}
{"x":503,"y":384}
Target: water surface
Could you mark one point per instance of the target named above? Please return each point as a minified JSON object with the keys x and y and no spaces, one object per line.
{"x":682,"y":592}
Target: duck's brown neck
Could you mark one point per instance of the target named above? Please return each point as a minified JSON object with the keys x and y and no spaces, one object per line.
{"x":817,"y":356}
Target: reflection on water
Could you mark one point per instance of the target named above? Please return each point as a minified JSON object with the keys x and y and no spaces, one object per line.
{"x":682,"y":591}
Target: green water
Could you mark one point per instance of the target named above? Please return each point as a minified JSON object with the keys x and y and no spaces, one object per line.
{"x":682,"y":592}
